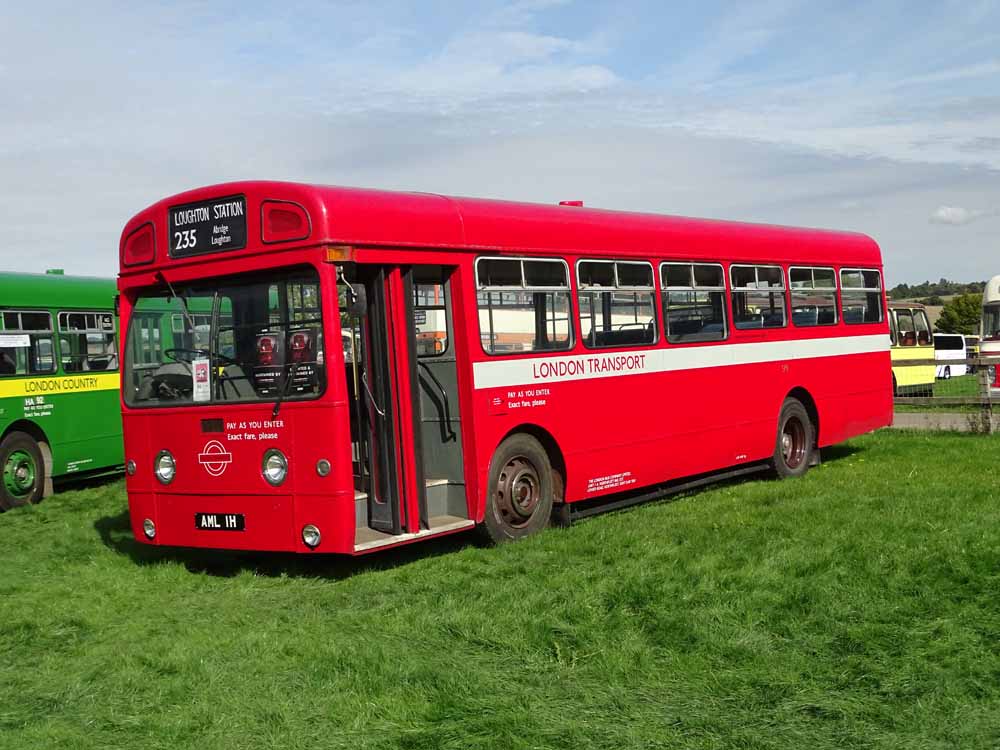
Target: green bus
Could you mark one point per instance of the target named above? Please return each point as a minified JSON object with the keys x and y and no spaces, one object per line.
{"x":60,"y":413}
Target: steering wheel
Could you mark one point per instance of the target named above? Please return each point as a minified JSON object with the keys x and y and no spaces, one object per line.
{"x":186,"y":356}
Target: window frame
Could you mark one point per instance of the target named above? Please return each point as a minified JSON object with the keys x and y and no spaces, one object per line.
{"x":725,"y":297}
{"x":568,"y":290}
{"x":618,"y":287}
{"x":20,"y":311}
{"x":835,"y":288}
{"x":85,"y":332}
{"x":899,"y":330}
{"x":881,"y":294}
{"x":733,"y":289}
{"x":922,"y":313}
{"x":524,"y":286}
{"x":50,"y":332}
{"x":212,"y":287}
{"x":444,"y":307}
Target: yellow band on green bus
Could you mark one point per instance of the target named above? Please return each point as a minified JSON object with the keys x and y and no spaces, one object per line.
{"x":55,"y":385}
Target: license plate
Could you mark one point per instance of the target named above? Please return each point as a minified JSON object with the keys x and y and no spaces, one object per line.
{"x":219,"y":522}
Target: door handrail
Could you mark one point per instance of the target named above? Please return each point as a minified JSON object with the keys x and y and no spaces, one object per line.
{"x":451,"y":434}
{"x":364,"y":379}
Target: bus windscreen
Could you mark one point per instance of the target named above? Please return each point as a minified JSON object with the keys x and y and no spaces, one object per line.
{"x":237,"y":339}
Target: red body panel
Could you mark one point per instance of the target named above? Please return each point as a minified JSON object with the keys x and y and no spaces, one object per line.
{"x":619,"y":431}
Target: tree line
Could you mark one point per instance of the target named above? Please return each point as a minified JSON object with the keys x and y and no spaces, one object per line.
{"x":959,"y":314}
{"x":936,"y":289}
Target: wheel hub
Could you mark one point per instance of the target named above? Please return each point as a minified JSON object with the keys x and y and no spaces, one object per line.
{"x":518,"y":491}
{"x":19,"y":474}
{"x":793,"y":443}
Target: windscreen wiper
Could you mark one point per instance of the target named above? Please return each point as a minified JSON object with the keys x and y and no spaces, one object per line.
{"x":173,"y":294}
{"x":283,"y":393}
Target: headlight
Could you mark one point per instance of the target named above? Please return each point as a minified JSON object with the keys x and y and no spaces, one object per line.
{"x":322,"y":467}
{"x":130,"y":467}
{"x":149,"y":528}
{"x":165,"y":468}
{"x":311,"y":536}
{"x":275,"y":467}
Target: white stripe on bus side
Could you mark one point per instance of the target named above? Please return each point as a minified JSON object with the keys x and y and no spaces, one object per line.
{"x":555,"y":368}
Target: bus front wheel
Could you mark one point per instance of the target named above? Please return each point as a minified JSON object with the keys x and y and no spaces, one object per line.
{"x":794,"y":446}
{"x":520,"y":490}
{"x":23,"y":471}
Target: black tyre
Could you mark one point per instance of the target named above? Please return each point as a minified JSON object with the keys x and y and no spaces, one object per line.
{"x":23,"y":471}
{"x":793,"y":447}
{"x":947,"y":372}
{"x":520,"y":490}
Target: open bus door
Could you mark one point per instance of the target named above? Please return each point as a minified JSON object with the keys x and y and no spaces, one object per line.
{"x":405,"y":415}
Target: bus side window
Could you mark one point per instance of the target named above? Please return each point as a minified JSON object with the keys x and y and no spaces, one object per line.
{"x":33,"y":351}
{"x":8,"y":361}
{"x":523,"y":304}
{"x":694,"y":302}
{"x":814,"y":296}
{"x":87,"y":341}
{"x":758,"y":296}
{"x":616,"y":303}
{"x":861,"y":295}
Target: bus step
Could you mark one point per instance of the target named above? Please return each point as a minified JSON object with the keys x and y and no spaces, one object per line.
{"x":366,"y":539}
{"x":361,"y":495}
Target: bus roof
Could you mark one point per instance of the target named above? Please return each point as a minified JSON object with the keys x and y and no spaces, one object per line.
{"x":991,"y":294}
{"x":903,"y":305}
{"x":38,"y":290}
{"x":372,"y":218}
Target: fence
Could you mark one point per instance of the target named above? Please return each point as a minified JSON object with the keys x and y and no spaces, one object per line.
{"x":956,"y":394}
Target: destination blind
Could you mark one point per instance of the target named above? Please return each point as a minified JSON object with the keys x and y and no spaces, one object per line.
{"x":208,"y":226}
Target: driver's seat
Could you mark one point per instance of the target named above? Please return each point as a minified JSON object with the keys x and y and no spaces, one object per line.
{"x":173,"y":374}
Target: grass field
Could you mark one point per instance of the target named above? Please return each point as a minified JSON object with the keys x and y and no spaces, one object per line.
{"x":858,"y":607}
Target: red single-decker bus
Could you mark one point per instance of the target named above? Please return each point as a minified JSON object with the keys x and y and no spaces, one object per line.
{"x":324,"y":369}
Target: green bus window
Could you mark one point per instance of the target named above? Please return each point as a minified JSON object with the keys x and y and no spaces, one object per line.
{"x":26,"y":344}
{"x":87,"y":341}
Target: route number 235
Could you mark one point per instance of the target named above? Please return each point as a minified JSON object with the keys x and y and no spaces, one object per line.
{"x":184,"y":240}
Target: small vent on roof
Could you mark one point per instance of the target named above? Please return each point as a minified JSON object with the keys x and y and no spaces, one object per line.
{"x":578,"y":204}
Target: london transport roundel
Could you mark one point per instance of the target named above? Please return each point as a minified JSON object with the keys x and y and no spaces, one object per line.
{"x":215,"y":458}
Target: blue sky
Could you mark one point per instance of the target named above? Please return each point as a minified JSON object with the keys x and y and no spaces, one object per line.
{"x":881,"y":117}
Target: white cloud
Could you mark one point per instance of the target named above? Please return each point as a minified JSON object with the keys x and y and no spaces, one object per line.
{"x":957,"y":215}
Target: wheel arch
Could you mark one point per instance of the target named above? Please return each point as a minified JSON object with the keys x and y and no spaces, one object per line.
{"x":553,"y":451}
{"x":30,"y":428}
{"x":805,"y":398}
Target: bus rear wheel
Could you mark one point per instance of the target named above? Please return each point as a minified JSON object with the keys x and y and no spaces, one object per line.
{"x":520,"y":490}
{"x":23,"y":471}
{"x":793,"y":448}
